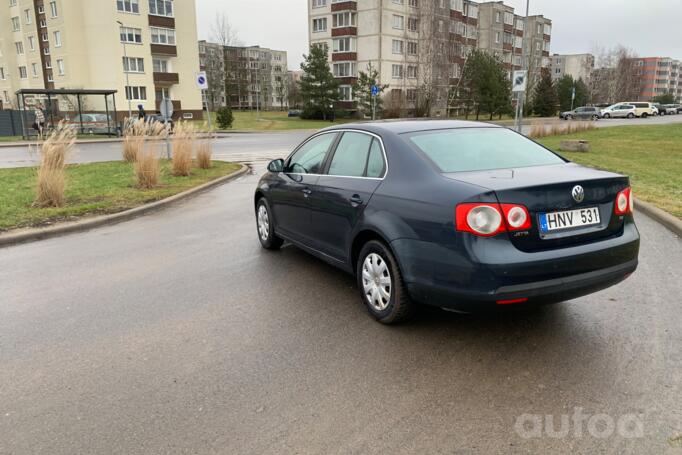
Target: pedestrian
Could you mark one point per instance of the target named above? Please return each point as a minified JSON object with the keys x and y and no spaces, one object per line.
{"x":39,"y":124}
{"x":140,"y":112}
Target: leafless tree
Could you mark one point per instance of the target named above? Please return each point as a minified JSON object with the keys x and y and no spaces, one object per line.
{"x":433,"y":70}
{"x":223,"y":33}
{"x":617,"y":76}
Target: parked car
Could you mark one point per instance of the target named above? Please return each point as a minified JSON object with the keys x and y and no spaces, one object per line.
{"x":93,"y":123}
{"x":294,"y":113}
{"x":582,"y":113}
{"x":679,"y":108}
{"x":619,"y":111}
{"x":461,"y":215}
{"x":668,"y":109}
{"x":643,"y":110}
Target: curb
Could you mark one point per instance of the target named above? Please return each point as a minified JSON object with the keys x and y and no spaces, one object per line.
{"x":34,"y":234}
{"x":660,"y":216}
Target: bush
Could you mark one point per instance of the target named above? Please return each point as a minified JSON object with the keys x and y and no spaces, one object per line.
{"x":224,"y":117}
{"x":147,"y":168}
{"x":51,"y":181}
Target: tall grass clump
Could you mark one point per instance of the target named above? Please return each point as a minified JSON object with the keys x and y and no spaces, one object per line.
{"x":539,"y":130}
{"x":204,"y":153}
{"x":51,"y":178}
{"x":147,"y":167}
{"x":184,"y":138}
{"x":136,"y":133}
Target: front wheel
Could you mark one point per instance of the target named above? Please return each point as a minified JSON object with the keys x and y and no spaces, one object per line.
{"x":607,"y":115}
{"x":569,"y":117}
{"x":595,"y":118}
{"x":645,"y":115}
{"x":631,"y":115}
{"x":381,"y":284}
{"x":265,"y":226}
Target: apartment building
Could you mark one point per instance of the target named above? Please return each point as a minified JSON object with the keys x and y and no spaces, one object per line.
{"x":52,"y":44}
{"x":246,"y":77}
{"x":578,"y":66}
{"x":419,"y":47}
{"x":659,"y":75}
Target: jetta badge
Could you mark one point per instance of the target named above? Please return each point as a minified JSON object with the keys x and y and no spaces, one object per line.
{"x":578,"y":193}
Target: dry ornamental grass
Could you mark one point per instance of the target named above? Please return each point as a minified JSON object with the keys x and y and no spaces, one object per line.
{"x":540,"y":130}
{"x":51,"y":180}
{"x":184,"y":138}
{"x":136,"y":133}
{"x":147,"y":167}
{"x":204,"y":153}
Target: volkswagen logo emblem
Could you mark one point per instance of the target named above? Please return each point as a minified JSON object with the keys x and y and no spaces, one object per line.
{"x":578,"y":193}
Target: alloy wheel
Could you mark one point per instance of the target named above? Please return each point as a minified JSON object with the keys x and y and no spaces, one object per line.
{"x":263,"y":223}
{"x":376,"y":281}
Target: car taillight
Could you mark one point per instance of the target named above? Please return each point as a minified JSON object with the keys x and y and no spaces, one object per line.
{"x":624,"y":202}
{"x":490,"y":219}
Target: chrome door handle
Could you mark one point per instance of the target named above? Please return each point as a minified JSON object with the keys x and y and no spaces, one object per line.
{"x":356,"y":200}
{"x":307,"y":191}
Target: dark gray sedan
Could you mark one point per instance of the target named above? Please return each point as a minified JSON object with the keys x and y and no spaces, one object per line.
{"x":582,"y":113}
{"x":461,"y":215}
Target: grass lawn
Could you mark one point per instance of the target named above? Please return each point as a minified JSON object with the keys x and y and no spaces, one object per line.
{"x":96,"y":188}
{"x":650,"y":155}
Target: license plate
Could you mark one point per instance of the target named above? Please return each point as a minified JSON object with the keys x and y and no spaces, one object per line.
{"x":569,"y":219}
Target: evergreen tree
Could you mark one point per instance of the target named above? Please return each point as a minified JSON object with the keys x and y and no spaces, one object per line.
{"x":319,"y":88}
{"x":666,"y":98}
{"x":544,"y":97}
{"x":362,"y":91}
{"x":564,"y":89}
{"x":485,"y":86}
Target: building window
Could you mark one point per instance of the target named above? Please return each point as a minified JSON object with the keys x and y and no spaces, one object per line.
{"x":343,"y":20}
{"x":60,"y":67}
{"x":414,"y":3}
{"x":412,"y":24}
{"x":163,"y":35}
{"x":45,"y":37}
{"x":398,"y":22}
{"x":497,"y":37}
{"x":136,"y":93}
{"x":12,"y":2}
{"x":519,"y":24}
{"x":131,"y":35}
{"x":133,"y":65}
{"x":31,"y":43}
{"x":34,"y":69}
{"x":399,"y":2}
{"x":160,"y":65}
{"x":508,"y":18}
{"x":319,"y":3}
{"x":344,"y":45}
{"x":2,"y":73}
{"x":345,"y":93}
{"x":411,"y":95}
{"x":128,"y":6}
{"x":498,"y":17}
{"x":161,"y":7}
{"x":57,"y":39}
{"x":345,"y":69}
{"x":53,"y":9}
{"x":548,"y":29}
{"x":412,"y":71}
{"x":397,"y":71}
{"x":398,"y":46}
{"x":16,"y":26}
{"x":412,"y":47}
{"x":28,"y":17}
{"x":22,"y":72}
{"x":49,"y":77}
{"x":20,"y":47}
{"x":161,"y":94}
{"x":320,"y":25}
{"x":6,"y":96}
{"x":41,"y":9}
{"x":43,"y":23}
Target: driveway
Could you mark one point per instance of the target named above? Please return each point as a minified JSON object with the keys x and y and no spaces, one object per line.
{"x":177,"y":333}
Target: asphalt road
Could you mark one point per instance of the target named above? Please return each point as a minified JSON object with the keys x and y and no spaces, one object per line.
{"x":177,"y":333}
{"x":241,"y":147}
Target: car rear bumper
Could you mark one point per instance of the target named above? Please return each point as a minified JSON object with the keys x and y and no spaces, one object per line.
{"x":490,"y":274}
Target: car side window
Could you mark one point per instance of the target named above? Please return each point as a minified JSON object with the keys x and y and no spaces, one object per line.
{"x":309,"y":158}
{"x":375,"y":160}
{"x":350,"y":157}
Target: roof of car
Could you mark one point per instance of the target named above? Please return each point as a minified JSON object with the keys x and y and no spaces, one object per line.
{"x":408,"y":126}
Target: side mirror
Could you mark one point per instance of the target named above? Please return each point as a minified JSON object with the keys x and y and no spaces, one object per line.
{"x":276,"y":165}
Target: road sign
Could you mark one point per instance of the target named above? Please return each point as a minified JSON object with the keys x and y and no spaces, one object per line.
{"x":375,"y":90}
{"x":166,"y":108}
{"x":202,"y":80}
{"x":519,"y":81}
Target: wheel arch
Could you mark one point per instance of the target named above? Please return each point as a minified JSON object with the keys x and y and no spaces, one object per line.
{"x":360,"y":239}
{"x":257,"y":197}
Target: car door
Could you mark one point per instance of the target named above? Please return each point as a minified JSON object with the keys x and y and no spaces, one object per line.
{"x":290,"y":191}
{"x":618,"y":111}
{"x":353,"y":172}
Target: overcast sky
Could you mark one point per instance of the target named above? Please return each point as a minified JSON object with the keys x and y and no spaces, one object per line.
{"x":648,"y":27}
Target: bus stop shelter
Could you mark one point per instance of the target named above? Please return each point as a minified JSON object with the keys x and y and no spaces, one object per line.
{"x":87,"y":111}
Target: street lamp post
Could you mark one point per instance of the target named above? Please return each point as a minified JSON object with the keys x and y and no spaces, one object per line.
{"x":125,"y":58}
{"x":526,"y":67}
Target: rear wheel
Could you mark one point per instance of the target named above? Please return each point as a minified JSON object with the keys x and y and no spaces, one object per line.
{"x":645,"y":115}
{"x":266,"y":227}
{"x":631,"y":115}
{"x":607,"y":115}
{"x":569,"y":117}
{"x":595,"y":118}
{"x":381,"y":284}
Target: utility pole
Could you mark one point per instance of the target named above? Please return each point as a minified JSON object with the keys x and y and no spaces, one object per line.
{"x":525,"y":67}
{"x":125,"y":57}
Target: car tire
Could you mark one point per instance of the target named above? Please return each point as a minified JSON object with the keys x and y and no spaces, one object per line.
{"x":569,"y":117}
{"x":631,"y":115}
{"x":607,"y":115}
{"x":644,"y":115}
{"x":595,"y":118}
{"x":377,"y":269}
{"x":265,"y":227}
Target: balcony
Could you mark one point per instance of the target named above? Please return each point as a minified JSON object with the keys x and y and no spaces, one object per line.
{"x":345,"y":6}
{"x":345,"y":31}
{"x":161,"y":21}
{"x":507,"y":47}
{"x":164,"y":49}
{"x":166,"y":79}
{"x":344,"y":56}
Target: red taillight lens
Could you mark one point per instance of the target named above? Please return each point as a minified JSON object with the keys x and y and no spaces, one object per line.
{"x":491,"y":219}
{"x":479,"y":219}
{"x":517,"y":217}
{"x":624,"y":202}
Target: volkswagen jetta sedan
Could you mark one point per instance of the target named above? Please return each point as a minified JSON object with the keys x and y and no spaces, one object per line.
{"x":461,"y":215}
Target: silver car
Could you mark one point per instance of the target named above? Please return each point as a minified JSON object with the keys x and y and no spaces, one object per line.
{"x":620,"y":111}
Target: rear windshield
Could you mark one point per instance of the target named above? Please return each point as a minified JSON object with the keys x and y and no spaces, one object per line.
{"x":480,"y":149}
